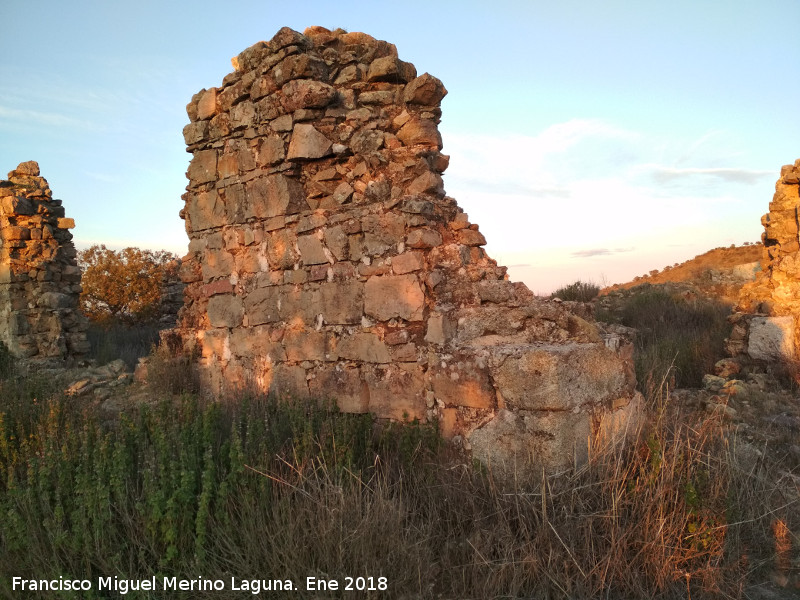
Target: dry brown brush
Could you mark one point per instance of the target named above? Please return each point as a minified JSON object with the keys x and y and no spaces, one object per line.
{"x":277,"y":489}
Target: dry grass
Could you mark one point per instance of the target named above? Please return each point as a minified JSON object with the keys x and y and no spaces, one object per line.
{"x":268,"y":489}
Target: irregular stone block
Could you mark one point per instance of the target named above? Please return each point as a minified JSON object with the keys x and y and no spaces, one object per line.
{"x":463,"y":383}
{"x":312,"y":251}
{"x":256,"y":342}
{"x":342,"y":303}
{"x":274,"y":195}
{"x":425,"y":89}
{"x":305,"y":345}
{"x":420,"y":132}
{"x":391,"y":296}
{"x":205,"y":210}
{"x":307,"y":93}
{"x":557,"y":377}
{"x":225,"y":310}
{"x":517,"y":445}
{"x":396,"y":392}
{"x":366,"y":347}
{"x":771,"y":338}
{"x":203,"y":167}
{"x":308,"y":143}
{"x":344,"y":384}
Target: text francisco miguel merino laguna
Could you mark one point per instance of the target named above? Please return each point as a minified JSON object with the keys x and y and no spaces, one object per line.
{"x":198,"y":584}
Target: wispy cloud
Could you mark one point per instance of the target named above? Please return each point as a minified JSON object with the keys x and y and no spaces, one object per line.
{"x":105,"y":178}
{"x":50,"y":119}
{"x":600,"y":252}
{"x":671,"y":175}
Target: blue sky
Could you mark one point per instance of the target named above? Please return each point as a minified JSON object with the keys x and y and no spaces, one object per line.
{"x":594,"y":140}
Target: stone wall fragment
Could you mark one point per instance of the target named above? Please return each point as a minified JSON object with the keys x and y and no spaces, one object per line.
{"x":40,"y":318}
{"x":333,"y":263}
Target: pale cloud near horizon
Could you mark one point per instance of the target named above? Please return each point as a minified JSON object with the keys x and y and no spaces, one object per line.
{"x":26,"y":116}
{"x":667,"y":175}
{"x":587,"y":190}
{"x":600,"y":252}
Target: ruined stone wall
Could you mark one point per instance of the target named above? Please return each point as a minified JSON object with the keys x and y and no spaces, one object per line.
{"x":39,"y":276}
{"x":765,"y":321}
{"x":325,"y":259}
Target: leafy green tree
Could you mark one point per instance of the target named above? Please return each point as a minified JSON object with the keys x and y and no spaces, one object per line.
{"x":124,"y":285}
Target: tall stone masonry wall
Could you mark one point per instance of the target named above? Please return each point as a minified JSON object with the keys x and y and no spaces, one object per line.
{"x":766,"y":317}
{"x":40,"y":282}
{"x":325,"y":259}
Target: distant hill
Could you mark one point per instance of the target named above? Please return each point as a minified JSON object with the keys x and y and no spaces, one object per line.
{"x":720,"y":272}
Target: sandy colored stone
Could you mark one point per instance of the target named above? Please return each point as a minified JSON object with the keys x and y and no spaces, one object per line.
{"x":516,"y":445}
{"x":425,"y":89}
{"x":771,"y":338}
{"x":390,"y":296}
{"x":308,"y":143}
{"x":256,"y":341}
{"x":344,"y":384}
{"x":420,"y":132}
{"x":207,"y":104}
{"x":203,"y":167}
{"x":342,"y":303}
{"x":305,"y":345}
{"x":366,"y":347}
{"x":558,"y":377}
{"x":424,"y":237}
{"x":312,"y":250}
{"x":408,"y":262}
{"x":225,"y":310}
{"x":396,"y":392}
{"x":274,"y":195}
{"x":463,"y":383}
{"x":205,"y":210}
{"x":262,"y":305}
{"x":307,"y":93}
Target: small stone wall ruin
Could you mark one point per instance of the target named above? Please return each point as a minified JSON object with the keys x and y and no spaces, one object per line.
{"x":40,"y":282}
{"x":765,"y":325}
{"x":325,"y":259}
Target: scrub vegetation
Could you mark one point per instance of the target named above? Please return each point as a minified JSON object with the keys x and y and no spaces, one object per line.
{"x":270,"y":488}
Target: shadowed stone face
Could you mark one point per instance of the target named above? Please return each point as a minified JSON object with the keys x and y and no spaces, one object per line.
{"x":331,"y":255}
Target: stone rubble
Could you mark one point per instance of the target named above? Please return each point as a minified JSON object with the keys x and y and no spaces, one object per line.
{"x":326,"y":260}
{"x":40,"y":281}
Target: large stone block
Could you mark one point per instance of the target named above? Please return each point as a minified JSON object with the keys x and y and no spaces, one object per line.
{"x":342,"y":383}
{"x":274,"y":195}
{"x":256,"y":342}
{"x":205,"y":210}
{"x":392,"y":296}
{"x":342,"y":303}
{"x":557,"y":377}
{"x":305,"y":345}
{"x":517,"y":445}
{"x":364,"y":347}
{"x":203,"y":167}
{"x":396,"y":391}
{"x":308,"y":143}
{"x":771,"y":338}
{"x":463,"y":382}
{"x":225,"y":310}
